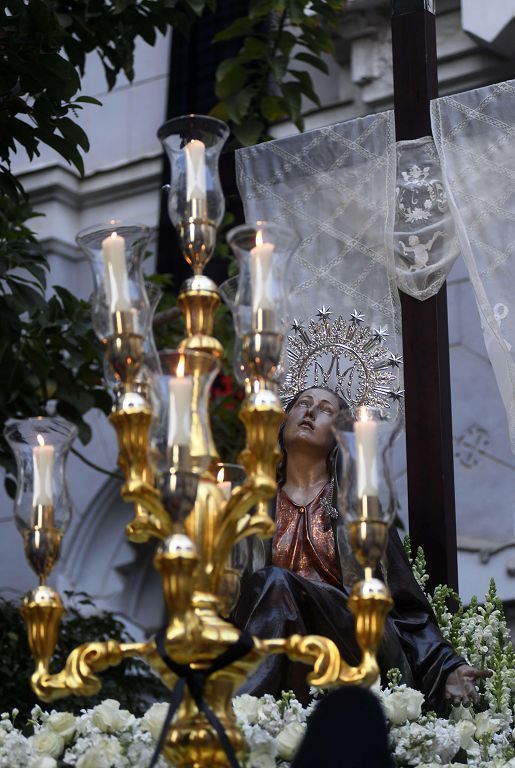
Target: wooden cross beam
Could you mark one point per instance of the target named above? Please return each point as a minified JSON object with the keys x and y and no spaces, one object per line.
{"x":429,"y":446}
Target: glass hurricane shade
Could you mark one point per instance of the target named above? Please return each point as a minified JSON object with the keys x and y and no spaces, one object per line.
{"x":193,"y":144}
{"x":261,"y":301}
{"x":115,"y":253}
{"x":40,"y":446}
{"x":180,"y":436}
{"x":151,"y":362}
{"x":365,"y":440}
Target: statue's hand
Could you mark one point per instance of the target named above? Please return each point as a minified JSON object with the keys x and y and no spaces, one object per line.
{"x":460,"y":686}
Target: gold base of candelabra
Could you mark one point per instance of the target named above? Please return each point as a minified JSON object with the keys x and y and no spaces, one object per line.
{"x":196,"y":635}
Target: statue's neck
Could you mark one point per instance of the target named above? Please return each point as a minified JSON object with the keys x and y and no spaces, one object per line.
{"x":306,"y":475}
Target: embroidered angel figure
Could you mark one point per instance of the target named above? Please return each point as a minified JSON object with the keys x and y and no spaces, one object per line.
{"x":420,"y":251}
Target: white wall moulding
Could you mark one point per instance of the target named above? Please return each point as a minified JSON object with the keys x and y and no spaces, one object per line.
{"x":491,"y":22}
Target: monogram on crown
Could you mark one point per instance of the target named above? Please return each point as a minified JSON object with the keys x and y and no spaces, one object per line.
{"x":347,"y":356}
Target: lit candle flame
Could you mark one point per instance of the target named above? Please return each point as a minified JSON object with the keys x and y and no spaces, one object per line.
{"x":221,"y":474}
{"x":180,"y":368}
{"x":363,"y":415}
{"x":259,"y":238}
{"x":113,"y":235}
{"x":40,"y":439}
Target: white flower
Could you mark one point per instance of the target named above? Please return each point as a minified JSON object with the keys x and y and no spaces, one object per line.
{"x":45,"y":761}
{"x":461,"y":713}
{"x":466,"y":730}
{"x":109,"y":717}
{"x":402,"y":704}
{"x":288,"y":740}
{"x":62,"y":723}
{"x":154,"y":718}
{"x":104,"y":753}
{"x":246,"y":708}
{"x":46,"y":742}
{"x":485,"y":724}
{"x":260,"y":758}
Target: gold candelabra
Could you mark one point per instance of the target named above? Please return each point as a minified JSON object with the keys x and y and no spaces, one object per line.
{"x":173,"y":484}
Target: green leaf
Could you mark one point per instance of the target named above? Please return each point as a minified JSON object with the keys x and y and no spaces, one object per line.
{"x":73,"y":132}
{"x":230,"y":77}
{"x":261,"y":8}
{"x":314,"y":61}
{"x":239,"y":28}
{"x":253,"y":48}
{"x":238,"y":105}
{"x":292,"y":97}
{"x":89,"y":100}
{"x":249,"y":132}
{"x":306,"y":84}
{"x":272,"y":108}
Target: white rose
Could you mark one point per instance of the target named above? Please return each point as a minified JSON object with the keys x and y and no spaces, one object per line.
{"x":154,"y":718}
{"x":402,"y":705}
{"x":45,"y":761}
{"x":109,"y":717}
{"x":466,"y":730}
{"x":485,"y":724}
{"x":103,"y":754}
{"x":46,"y":742}
{"x":62,"y":723}
{"x":288,"y":740}
{"x":246,"y":708}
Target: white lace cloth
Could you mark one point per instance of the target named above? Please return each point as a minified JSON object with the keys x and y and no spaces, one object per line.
{"x":475,"y":137}
{"x":331,"y":186}
{"x":373,"y":216}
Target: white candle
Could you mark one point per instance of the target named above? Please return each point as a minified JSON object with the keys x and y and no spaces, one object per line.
{"x":195,"y":152}
{"x":261,"y":274}
{"x":43,"y":460}
{"x":180,"y":390}
{"x":366,"y":443}
{"x":224,"y":485}
{"x":116,"y":278}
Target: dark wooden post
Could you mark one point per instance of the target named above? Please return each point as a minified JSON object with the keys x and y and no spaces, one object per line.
{"x":432,"y":517}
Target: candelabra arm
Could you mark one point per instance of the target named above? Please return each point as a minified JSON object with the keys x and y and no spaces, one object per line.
{"x":78,"y":678}
{"x":370,"y":603}
{"x":132,"y":424}
{"x":151,"y":518}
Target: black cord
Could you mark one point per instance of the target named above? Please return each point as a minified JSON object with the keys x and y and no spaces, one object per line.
{"x":195,"y":680}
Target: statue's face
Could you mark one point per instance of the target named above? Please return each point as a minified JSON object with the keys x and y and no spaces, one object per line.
{"x":309,"y":421}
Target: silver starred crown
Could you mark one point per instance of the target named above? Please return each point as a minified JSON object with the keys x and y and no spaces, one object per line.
{"x":347,"y":356}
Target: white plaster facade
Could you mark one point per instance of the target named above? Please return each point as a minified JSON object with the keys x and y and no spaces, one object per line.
{"x":122,"y":179}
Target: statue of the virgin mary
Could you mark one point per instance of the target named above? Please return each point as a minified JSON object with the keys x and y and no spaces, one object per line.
{"x":303,"y":583}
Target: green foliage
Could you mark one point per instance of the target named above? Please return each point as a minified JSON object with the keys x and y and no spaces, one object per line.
{"x":266,"y":81}
{"x":47,"y":348}
{"x":49,"y":353}
{"x":131,"y":683}
{"x":44,"y":44}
